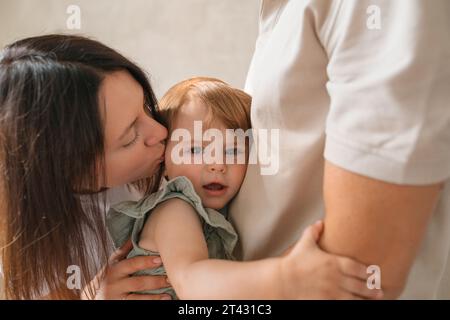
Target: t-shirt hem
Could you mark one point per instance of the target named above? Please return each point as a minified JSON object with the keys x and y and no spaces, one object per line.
{"x":374,"y":165}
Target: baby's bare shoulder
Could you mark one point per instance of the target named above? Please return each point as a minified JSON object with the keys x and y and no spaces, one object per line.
{"x":169,"y":211}
{"x":174,"y":206}
{"x":163,"y":216}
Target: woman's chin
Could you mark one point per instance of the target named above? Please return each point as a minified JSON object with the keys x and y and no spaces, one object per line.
{"x":145,"y":173}
{"x":150,"y":172}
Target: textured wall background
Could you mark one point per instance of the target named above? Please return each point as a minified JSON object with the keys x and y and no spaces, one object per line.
{"x":171,"y":39}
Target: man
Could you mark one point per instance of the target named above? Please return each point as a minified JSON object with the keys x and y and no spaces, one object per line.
{"x":360,"y":91}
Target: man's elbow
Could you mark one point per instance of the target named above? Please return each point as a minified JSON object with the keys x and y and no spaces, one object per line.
{"x":393,"y":291}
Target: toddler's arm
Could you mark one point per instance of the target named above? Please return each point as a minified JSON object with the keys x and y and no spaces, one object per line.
{"x":174,"y":230}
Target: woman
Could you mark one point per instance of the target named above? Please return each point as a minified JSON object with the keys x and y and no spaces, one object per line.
{"x":58,"y":152}
{"x":76,"y":119}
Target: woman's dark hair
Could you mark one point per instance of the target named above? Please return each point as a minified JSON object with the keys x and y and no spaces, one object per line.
{"x":51,"y":147}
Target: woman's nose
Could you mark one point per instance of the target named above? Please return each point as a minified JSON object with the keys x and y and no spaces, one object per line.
{"x":157,"y":133}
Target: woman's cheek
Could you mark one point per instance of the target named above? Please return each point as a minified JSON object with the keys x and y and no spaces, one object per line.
{"x":121,"y":169}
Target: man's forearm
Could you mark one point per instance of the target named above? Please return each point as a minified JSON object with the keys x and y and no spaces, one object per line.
{"x":376,"y":223}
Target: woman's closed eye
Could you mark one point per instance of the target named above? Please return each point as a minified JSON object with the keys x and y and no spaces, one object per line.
{"x":148,"y":112}
{"x":132,"y":142}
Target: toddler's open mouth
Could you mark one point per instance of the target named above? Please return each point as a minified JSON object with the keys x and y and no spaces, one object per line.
{"x":215,"y":188}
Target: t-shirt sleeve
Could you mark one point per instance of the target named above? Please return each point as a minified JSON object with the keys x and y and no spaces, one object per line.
{"x":389,"y":88}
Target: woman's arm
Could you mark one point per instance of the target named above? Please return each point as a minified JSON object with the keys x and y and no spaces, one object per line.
{"x":306,"y":272}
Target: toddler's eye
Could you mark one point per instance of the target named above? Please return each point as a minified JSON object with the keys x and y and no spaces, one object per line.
{"x":233,"y":151}
{"x":196,"y":150}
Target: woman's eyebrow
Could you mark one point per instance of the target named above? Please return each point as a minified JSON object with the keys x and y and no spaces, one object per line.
{"x":127,"y":129}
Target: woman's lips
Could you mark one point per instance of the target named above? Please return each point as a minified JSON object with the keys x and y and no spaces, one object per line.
{"x":215,"y":189}
{"x":163,"y":153}
{"x":162,"y":157}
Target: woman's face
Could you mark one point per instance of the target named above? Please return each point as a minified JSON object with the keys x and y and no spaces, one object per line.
{"x":134,"y":141}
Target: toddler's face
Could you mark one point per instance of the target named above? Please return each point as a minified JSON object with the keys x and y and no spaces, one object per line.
{"x":215,"y":183}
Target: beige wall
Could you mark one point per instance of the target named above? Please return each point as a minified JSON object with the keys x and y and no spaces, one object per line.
{"x":171,"y":39}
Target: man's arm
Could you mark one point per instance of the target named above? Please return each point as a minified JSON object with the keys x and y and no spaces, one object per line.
{"x":376,"y":223}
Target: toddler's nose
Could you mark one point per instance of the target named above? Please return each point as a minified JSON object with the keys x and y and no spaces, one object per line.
{"x":217,"y":168}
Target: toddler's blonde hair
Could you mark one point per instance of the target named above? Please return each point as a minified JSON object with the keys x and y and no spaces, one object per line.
{"x":229,"y":105}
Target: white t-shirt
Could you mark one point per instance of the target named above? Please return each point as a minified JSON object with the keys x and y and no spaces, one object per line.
{"x":366,"y":85}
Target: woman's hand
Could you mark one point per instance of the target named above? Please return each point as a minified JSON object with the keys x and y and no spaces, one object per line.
{"x":115,"y":282}
{"x":307,"y":272}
